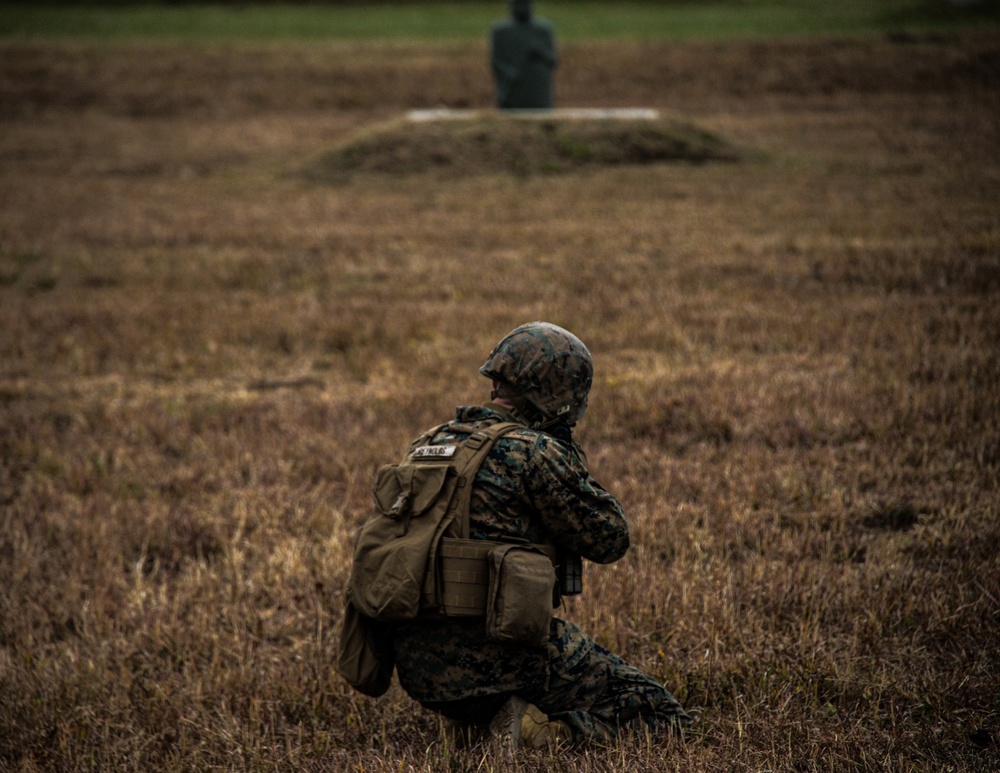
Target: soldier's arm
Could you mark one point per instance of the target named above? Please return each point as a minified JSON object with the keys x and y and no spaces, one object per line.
{"x":576,"y":511}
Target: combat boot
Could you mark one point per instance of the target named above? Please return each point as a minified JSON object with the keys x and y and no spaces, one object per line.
{"x":523,"y":725}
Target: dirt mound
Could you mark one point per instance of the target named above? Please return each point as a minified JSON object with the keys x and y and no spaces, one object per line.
{"x":489,"y":141}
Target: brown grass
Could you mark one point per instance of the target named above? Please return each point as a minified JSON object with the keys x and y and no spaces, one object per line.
{"x":204,"y":357}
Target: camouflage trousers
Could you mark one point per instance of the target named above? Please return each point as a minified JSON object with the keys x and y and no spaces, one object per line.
{"x":583,"y":684}
{"x":603,"y":694}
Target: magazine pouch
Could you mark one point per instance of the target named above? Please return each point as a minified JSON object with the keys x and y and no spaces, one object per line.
{"x":519,"y":598}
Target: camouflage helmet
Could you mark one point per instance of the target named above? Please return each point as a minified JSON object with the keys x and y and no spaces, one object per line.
{"x":547,"y":366}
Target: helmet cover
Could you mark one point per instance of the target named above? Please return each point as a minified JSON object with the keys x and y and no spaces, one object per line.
{"x":548,"y":366}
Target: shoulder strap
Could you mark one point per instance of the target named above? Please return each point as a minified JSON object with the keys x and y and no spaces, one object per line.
{"x":478,"y":445}
{"x":466,"y":461}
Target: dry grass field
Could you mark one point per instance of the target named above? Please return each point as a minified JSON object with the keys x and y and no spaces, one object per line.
{"x":205,"y":353}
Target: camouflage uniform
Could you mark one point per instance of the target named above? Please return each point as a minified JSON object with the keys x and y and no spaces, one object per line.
{"x":537,"y":488}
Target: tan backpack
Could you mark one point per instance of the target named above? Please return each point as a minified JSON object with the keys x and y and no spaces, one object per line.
{"x":414,"y":559}
{"x":396,"y":572}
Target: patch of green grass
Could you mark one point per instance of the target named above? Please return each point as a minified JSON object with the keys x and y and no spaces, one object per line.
{"x":470,"y":21}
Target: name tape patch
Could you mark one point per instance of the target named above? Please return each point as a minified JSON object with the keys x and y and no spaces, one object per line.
{"x":435,"y":452}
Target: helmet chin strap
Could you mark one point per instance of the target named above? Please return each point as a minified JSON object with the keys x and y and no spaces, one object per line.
{"x":522,"y":410}
{"x":519,"y":412}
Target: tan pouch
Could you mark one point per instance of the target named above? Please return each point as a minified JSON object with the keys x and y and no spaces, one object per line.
{"x":364,"y":654}
{"x":391,"y":557}
{"x":519,"y":599}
